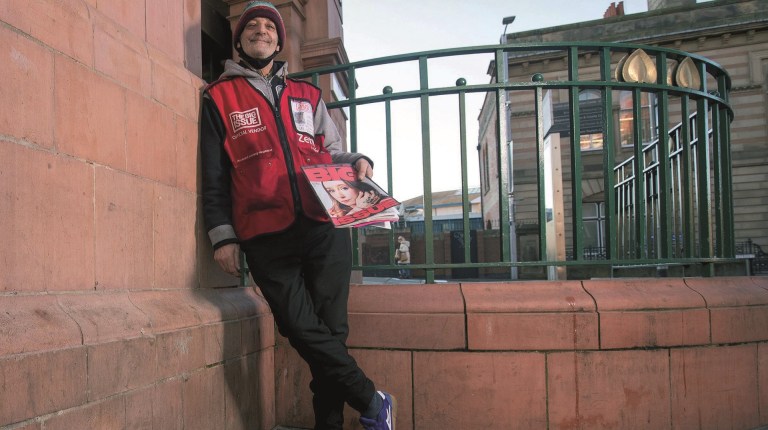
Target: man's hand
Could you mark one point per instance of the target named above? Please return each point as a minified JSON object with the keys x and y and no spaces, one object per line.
{"x":363,"y":168}
{"x":228,"y":258}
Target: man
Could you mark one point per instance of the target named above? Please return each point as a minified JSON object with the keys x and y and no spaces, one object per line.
{"x":403,"y":256}
{"x":257,"y":129}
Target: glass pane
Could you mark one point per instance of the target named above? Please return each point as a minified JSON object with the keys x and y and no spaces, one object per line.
{"x":591,"y":142}
{"x":626,"y":123}
{"x":591,"y":238}
{"x":589,"y":210}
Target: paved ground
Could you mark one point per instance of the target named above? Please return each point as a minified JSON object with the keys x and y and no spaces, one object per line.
{"x":381,"y":280}
{"x":295,"y":428}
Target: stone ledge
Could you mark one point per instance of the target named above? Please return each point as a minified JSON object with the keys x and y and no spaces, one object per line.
{"x":133,"y":342}
{"x":42,"y":322}
{"x":571,"y":315}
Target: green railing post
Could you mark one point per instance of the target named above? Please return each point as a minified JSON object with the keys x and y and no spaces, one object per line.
{"x":665,"y":207}
{"x":717,"y":171}
{"x":638,"y":167}
{"x":726,"y":163}
{"x":427,"y":172}
{"x":352,"y":85}
{"x":576,"y":167}
{"x":390,"y":185}
{"x":664,"y":204}
{"x":503,"y":155}
{"x":461,"y":82}
{"x":609,"y":158}
{"x":688,"y":221}
{"x":702,"y":169}
{"x":540,"y":177}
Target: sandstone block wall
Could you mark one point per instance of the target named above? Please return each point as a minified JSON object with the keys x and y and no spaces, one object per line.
{"x":107,"y":315}
{"x":601,"y":354}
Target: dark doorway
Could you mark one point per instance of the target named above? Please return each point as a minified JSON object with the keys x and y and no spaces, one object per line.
{"x":457,"y":254}
{"x":216,"y":38}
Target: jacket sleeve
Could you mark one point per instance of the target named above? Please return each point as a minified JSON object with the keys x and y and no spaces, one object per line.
{"x":324,"y":126}
{"x":216,"y":186}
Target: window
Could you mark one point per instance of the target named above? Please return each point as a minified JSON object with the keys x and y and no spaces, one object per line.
{"x":486,"y":170}
{"x":590,"y":141}
{"x":590,"y":120}
{"x":593,"y":216}
{"x":648,"y":118}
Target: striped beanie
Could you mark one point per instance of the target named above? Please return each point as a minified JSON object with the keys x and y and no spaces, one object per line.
{"x":259,"y":9}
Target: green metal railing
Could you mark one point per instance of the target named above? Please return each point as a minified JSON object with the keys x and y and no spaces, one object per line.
{"x":667,"y":201}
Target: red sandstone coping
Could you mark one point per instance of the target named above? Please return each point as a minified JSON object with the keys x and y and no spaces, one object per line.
{"x":729,"y":291}
{"x":593,"y":314}
{"x":643,"y":294}
{"x":570,"y":315}
{"x":415,"y":316}
{"x":521,"y":297}
{"x":43,"y":322}
{"x":34,"y":323}
{"x":410,"y":298}
{"x":621,"y":350}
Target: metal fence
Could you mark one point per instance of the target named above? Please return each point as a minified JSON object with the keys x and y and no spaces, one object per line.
{"x":671,"y":200}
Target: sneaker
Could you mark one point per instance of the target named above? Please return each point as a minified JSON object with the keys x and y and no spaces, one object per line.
{"x":386,"y":418}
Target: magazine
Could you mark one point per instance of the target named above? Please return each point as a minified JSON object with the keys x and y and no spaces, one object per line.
{"x":348,"y":201}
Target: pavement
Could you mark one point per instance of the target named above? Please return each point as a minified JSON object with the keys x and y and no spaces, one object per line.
{"x":385,"y":280}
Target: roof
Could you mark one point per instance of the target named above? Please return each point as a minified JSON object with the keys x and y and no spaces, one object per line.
{"x":444,"y":198}
{"x":656,"y":25}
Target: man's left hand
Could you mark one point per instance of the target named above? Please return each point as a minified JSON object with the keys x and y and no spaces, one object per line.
{"x":363,"y":168}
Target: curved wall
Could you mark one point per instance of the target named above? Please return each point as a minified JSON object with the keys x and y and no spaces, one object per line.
{"x":602,"y":354}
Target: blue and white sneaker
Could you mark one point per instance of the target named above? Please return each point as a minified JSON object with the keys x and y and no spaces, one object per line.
{"x":386,"y":418}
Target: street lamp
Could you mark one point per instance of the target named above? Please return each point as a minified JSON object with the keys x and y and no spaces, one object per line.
{"x":504,"y":104}
{"x":506,"y":21}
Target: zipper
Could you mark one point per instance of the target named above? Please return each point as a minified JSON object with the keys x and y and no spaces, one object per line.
{"x":286,"y":150}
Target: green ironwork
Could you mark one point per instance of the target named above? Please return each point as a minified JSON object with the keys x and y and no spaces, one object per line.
{"x":427,"y":166}
{"x":464,"y":174}
{"x":609,"y":154}
{"x":576,"y":166}
{"x":666,"y":231}
{"x":540,"y":180}
{"x":390,"y":185}
{"x":502,"y":155}
{"x":669,"y":202}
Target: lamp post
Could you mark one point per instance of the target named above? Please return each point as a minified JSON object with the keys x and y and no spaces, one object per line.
{"x":506,"y":21}
{"x":508,"y":138}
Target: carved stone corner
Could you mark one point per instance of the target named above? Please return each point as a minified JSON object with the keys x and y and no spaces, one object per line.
{"x":323,"y":52}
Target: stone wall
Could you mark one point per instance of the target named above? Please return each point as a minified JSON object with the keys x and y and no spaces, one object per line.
{"x":600,"y":354}
{"x":107,"y":320}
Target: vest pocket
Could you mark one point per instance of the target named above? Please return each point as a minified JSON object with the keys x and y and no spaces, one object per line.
{"x":312,"y":152}
{"x":255,"y":154}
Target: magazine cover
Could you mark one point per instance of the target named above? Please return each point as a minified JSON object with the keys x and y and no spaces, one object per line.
{"x":348,"y":201}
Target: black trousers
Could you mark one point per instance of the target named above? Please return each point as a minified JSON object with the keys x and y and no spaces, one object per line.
{"x":304,"y":275}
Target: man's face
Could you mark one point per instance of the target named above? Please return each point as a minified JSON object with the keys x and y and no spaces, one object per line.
{"x":259,"y":38}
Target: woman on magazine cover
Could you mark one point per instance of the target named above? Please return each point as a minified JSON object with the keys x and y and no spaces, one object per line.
{"x":349,"y":197}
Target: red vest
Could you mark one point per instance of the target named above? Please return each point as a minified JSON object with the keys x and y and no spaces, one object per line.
{"x":267,"y":181}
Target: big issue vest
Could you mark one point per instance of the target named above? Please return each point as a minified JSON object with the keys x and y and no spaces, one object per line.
{"x":267,"y":147}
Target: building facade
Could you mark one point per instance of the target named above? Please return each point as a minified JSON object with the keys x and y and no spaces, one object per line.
{"x":733,"y":33}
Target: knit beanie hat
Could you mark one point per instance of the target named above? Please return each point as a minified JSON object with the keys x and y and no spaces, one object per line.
{"x":259,"y":9}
